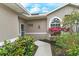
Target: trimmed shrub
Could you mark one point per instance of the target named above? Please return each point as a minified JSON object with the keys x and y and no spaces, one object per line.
{"x":23,"y":46}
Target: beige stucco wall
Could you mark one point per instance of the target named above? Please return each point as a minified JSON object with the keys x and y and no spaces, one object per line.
{"x":39,"y":36}
{"x":34,"y":30}
{"x":38,"y":22}
{"x":9,"y":25}
{"x":61,"y":13}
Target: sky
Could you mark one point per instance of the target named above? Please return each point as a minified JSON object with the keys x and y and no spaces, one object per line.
{"x":40,"y":8}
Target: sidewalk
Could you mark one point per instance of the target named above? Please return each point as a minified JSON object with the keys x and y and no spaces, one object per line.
{"x":44,"y":49}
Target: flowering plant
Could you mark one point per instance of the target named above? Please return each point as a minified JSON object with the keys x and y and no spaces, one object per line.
{"x":55,"y":29}
{"x":58,"y":29}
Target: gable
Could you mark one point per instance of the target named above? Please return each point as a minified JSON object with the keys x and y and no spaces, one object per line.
{"x":63,"y":11}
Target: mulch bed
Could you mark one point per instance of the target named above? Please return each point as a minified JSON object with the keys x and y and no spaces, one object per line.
{"x":36,"y":47}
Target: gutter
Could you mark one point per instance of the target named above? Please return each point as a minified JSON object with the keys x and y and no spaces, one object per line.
{"x":17,"y":7}
{"x":25,"y":11}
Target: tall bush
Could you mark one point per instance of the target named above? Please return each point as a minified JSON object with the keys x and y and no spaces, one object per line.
{"x":69,"y":44}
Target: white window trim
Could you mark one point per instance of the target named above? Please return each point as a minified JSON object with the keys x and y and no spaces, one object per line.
{"x":37,"y":33}
{"x":52,"y":19}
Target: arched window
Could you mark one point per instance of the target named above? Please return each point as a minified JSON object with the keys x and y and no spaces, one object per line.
{"x":55,"y":22}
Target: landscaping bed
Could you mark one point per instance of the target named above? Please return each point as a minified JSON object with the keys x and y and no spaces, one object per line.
{"x":66,"y":45}
{"x":23,"y":46}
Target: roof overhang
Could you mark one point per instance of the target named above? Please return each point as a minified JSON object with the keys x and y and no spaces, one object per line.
{"x":67,"y":4}
{"x":30,"y":17}
{"x":17,"y":7}
{"x":37,"y":16}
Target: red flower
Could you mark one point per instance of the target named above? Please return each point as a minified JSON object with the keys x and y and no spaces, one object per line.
{"x":58,"y":29}
{"x":55,"y":29}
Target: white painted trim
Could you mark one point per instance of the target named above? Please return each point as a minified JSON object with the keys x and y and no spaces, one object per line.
{"x":37,"y":33}
{"x":11,"y":40}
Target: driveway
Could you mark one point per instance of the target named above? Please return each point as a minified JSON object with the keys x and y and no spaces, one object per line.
{"x":44,"y":49}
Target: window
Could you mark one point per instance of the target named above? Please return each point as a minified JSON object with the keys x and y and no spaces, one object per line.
{"x":55,"y":22}
{"x":22,"y":29}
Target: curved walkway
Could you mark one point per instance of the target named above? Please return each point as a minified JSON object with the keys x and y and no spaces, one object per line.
{"x":44,"y":49}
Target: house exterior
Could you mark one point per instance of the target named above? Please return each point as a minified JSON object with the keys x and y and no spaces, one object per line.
{"x":15,"y":21}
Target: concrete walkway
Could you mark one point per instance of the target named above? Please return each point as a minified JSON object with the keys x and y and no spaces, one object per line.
{"x":44,"y":49}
